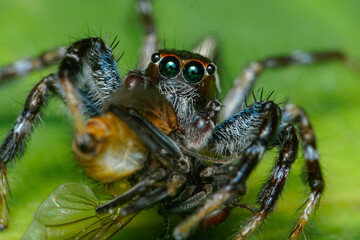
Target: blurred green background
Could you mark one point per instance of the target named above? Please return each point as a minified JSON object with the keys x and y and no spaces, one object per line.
{"x":247,"y":31}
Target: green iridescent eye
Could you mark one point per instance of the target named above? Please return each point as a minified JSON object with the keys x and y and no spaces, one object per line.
{"x":193,"y":71}
{"x":169,"y":67}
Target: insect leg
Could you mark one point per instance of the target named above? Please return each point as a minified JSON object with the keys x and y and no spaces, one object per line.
{"x":297,"y":115}
{"x":150,"y":42}
{"x":15,"y":140}
{"x":148,"y":200}
{"x":244,"y":83}
{"x":151,"y":136}
{"x":190,"y":203}
{"x":137,"y":189}
{"x":26,"y":66}
{"x":275,"y":184}
{"x":249,"y":159}
{"x":156,"y":195}
{"x":165,"y":234}
{"x":73,"y":103}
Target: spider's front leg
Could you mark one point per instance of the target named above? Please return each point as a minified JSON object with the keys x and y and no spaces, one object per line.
{"x":93,"y":91}
{"x":207,"y":47}
{"x":288,"y":143}
{"x":296,"y":115}
{"x":15,"y":141}
{"x":249,"y":134}
{"x":26,"y":66}
{"x":150,"y":41}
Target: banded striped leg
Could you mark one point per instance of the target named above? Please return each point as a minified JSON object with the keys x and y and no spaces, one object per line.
{"x":14,"y":142}
{"x":275,"y":184}
{"x":150,"y":42}
{"x":39,"y":95}
{"x":244,"y":83}
{"x":207,"y":48}
{"x":25,"y":66}
{"x":250,"y":158}
{"x":297,"y":115}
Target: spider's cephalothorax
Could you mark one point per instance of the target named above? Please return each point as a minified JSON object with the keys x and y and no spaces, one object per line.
{"x":186,"y":79}
{"x":153,"y":138}
{"x":189,"y":83}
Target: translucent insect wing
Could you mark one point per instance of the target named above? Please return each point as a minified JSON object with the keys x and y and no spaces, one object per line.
{"x":69,"y":212}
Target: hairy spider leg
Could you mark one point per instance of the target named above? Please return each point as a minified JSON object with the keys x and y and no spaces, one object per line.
{"x":245,"y":82}
{"x":251,"y":156}
{"x":14,"y":142}
{"x":150,"y":41}
{"x":275,"y":184}
{"x":208,"y":47}
{"x":28,"y":65}
{"x":297,"y":116}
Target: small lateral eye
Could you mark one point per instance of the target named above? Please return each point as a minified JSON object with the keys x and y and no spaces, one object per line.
{"x":193,"y":71}
{"x":169,"y":67}
{"x":210,"y":69}
{"x":155,"y":57}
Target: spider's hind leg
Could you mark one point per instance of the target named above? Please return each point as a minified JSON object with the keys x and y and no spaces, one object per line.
{"x":262,"y":120}
{"x":297,"y":115}
{"x":271,"y":192}
{"x":150,"y":41}
{"x":28,"y":65}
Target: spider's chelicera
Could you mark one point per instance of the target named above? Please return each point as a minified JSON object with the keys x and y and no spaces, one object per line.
{"x":160,"y":136}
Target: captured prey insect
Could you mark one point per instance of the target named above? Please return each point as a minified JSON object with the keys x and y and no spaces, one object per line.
{"x":161,"y":137}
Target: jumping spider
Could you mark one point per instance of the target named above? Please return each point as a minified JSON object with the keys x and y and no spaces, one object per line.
{"x":161,"y":137}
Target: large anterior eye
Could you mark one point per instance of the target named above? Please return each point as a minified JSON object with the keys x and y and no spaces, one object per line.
{"x":169,"y":67}
{"x":193,"y":71}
